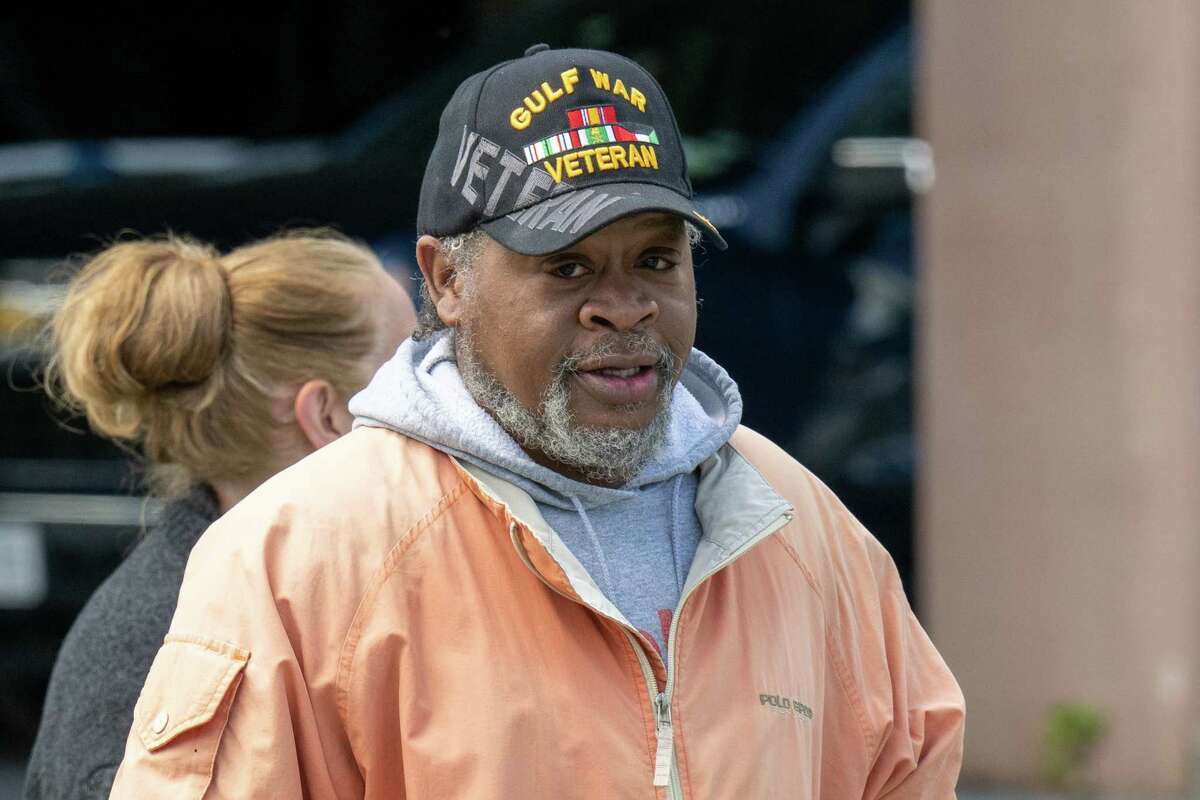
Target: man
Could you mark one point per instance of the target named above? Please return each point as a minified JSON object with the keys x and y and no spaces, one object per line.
{"x":548,"y":562}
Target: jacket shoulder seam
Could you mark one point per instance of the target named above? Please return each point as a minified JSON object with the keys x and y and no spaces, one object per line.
{"x":804,"y":570}
{"x":391,"y":562}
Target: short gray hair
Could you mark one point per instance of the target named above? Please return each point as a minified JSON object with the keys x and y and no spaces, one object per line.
{"x":462,"y":251}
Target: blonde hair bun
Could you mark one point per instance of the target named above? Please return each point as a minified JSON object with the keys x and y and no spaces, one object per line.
{"x":179,"y":352}
{"x":145,"y":324}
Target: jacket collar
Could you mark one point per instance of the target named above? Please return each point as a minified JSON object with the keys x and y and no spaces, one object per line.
{"x":736,"y":506}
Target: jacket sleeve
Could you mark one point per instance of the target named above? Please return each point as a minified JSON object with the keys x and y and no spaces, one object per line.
{"x":919,"y":749}
{"x":237,"y":702}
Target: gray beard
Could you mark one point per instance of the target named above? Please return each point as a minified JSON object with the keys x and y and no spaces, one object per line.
{"x":607,"y":455}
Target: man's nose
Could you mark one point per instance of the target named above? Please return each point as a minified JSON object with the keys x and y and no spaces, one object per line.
{"x":618,"y":305}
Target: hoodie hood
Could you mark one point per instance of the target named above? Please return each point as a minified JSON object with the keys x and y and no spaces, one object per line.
{"x":420,"y":393}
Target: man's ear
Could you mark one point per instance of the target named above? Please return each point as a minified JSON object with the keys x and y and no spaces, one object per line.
{"x":444,"y":284}
{"x":320,"y":413}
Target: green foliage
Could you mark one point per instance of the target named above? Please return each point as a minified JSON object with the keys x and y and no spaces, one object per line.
{"x":1072,"y":732}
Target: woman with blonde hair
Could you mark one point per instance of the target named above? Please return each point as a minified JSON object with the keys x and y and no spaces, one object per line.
{"x":220,"y":370}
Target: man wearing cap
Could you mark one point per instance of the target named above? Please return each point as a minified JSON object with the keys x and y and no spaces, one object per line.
{"x":548,"y":562}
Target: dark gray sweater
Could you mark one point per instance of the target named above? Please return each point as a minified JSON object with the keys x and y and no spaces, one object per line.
{"x":105,"y":657}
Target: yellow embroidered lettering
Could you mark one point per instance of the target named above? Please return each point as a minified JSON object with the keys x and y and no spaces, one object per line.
{"x":569,"y":79}
{"x":587,"y":157}
{"x":604,"y":81}
{"x":535,"y":102}
{"x":649,"y":156}
{"x":556,"y":170}
{"x":571,"y":164}
{"x":618,"y":156}
{"x":635,"y":159}
{"x":604,"y":158}
{"x":538,"y":99}
{"x":520,"y":118}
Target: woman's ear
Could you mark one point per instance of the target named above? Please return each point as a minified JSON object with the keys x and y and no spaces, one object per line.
{"x":320,"y":413}
{"x":444,"y":285}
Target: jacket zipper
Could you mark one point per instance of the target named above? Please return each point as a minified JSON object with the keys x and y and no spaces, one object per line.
{"x":666,"y":771}
{"x":664,"y":750}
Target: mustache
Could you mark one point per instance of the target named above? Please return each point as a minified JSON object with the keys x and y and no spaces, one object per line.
{"x":626,"y":344}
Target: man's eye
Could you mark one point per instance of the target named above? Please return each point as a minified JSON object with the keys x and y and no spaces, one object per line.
{"x":570,"y":270}
{"x":657,"y":263}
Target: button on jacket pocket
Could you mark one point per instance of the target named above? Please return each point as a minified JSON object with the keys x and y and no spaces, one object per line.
{"x":181,"y":714}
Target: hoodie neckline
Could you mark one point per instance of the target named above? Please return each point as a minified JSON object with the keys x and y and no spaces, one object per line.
{"x":420,"y":393}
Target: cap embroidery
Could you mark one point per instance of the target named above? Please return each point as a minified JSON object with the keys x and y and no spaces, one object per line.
{"x":536,"y":101}
{"x":619,"y":146}
{"x":588,"y":125}
{"x":634,"y":96}
{"x":477,"y":157}
{"x":565,"y":213}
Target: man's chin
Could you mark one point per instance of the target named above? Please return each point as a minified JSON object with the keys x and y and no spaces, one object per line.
{"x":634,"y":418}
{"x":614,"y":422}
{"x":587,"y":413}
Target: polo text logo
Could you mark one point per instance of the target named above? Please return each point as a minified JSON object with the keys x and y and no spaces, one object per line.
{"x":785,"y":705}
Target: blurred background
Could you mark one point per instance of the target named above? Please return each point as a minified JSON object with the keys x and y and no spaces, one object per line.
{"x":1030,"y":309}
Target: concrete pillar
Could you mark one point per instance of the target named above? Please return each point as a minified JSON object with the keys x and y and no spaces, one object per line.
{"x":1059,"y":371}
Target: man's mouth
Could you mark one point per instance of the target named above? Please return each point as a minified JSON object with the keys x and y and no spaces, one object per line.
{"x":620,"y":381}
{"x":621,"y":364}
{"x":615,"y":372}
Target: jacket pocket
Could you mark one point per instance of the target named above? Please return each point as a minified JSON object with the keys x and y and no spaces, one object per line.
{"x":182,"y":712}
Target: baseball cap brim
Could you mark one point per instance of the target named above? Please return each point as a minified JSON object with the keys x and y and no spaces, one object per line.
{"x":537,"y":234}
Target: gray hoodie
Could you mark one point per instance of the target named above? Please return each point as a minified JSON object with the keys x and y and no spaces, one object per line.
{"x":637,"y":541}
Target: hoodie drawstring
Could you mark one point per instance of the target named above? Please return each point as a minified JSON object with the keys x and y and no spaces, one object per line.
{"x":674,"y":523}
{"x":609,"y":587}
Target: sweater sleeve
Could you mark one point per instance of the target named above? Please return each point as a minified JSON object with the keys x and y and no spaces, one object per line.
{"x":98,"y":674}
{"x":79,"y":742}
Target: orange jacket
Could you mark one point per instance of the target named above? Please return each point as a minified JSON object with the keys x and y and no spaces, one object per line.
{"x":380,"y":621}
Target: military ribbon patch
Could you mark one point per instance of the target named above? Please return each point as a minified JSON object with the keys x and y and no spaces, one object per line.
{"x":589,"y":126}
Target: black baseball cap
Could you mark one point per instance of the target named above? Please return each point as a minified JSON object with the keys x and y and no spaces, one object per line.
{"x":544,"y":150}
